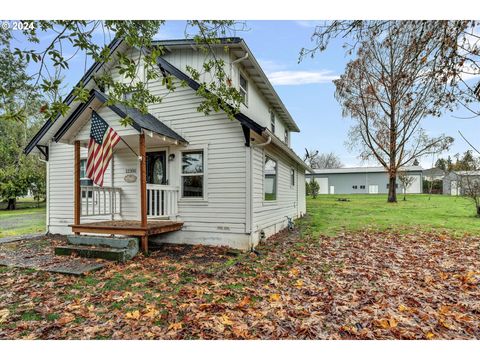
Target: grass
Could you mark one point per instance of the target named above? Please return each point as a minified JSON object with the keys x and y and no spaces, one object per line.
{"x":329,"y":216}
{"x":27,"y":219}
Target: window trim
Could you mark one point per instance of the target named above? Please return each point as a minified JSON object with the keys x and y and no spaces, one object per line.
{"x":203,"y":198}
{"x":240,"y":87}
{"x":273,"y":121}
{"x":273,"y":201}
{"x":286,"y":136}
{"x":85,"y":194}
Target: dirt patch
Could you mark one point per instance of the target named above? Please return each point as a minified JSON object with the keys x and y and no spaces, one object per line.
{"x":37,"y":254}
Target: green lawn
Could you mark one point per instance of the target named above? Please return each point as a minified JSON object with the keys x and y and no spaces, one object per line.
{"x":28,"y":219}
{"x":329,"y":216}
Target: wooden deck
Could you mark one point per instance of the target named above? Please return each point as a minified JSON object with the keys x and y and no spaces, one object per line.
{"x":128,"y":227}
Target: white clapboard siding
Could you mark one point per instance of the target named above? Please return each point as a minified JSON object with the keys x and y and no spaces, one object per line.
{"x":61,"y":187}
{"x":223,"y":209}
{"x":288,"y":202}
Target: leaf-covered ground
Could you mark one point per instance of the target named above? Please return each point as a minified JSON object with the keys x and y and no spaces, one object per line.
{"x":362,"y":285}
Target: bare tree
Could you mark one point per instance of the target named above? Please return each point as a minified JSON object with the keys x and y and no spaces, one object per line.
{"x":453,"y":45}
{"x":406,"y":181}
{"x":388,"y":89}
{"x":318,"y":160}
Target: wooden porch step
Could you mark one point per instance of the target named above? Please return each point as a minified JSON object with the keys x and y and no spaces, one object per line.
{"x":104,"y":252}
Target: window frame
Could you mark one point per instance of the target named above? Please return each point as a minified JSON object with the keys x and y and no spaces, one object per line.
{"x":286,"y":136}
{"x":273,"y":121}
{"x":84,"y":194}
{"x":203,"y":150}
{"x":292,"y":177}
{"x":265,"y":157}
{"x":241,"y":88}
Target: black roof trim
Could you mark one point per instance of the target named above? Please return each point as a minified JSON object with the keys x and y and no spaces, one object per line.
{"x":69,"y":99}
{"x":140,"y":120}
{"x":244,"y":120}
{"x":180,"y":42}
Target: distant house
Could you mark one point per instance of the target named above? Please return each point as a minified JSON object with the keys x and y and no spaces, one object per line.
{"x":433,"y":174}
{"x":362,"y":180}
{"x":453,"y":182}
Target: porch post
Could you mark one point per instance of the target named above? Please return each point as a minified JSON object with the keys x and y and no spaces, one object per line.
{"x":76,"y":217}
{"x":143,"y":191}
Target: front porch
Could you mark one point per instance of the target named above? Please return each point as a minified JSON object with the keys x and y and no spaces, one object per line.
{"x":98,"y":209}
{"x":129,"y":228}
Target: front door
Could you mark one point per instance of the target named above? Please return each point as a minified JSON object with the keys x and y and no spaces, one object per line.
{"x":373,"y":189}
{"x":156,"y":168}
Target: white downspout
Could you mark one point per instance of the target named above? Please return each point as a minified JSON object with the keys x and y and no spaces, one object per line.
{"x":244,"y":57}
{"x":269,"y":140}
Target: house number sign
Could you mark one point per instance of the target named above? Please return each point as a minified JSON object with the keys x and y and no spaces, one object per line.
{"x":131,"y":171}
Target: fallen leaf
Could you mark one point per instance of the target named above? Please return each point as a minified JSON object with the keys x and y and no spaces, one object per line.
{"x":175,"y":326}
{"x":294,"y":272}
{"x":152,"y":312}
{"x":65,"y":319}
{"x":274,"y":297}
{"x":133,"y":315}
{"x":4,"y":315}
{"x":245,"y":301}
{"x":225,"y":320}
{"x":299,"y":283}
{"x":429,"y":335}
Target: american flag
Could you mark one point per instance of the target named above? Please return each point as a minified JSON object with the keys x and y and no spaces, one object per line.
{"x":100,"y":148}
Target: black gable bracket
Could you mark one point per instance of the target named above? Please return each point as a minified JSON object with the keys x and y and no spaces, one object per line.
{"x":44,"y":150}
{"x":246,"y":134}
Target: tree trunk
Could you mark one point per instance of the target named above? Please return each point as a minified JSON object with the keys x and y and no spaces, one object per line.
{"x":392,"y":189}
{"x":12,"y":204}
{"x":478,"y":210}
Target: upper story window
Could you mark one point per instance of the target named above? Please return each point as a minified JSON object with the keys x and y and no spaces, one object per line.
{"x":272,"y":121}
{"x":192,"y":174}
{"x":285,"y":136}
{"x":243,"y":89}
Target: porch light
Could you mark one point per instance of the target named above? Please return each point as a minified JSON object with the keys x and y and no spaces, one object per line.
{"x":171,"y":157}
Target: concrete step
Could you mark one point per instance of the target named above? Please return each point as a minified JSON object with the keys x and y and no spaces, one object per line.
{"x":103,"y":241}
{"x":99,"y":252}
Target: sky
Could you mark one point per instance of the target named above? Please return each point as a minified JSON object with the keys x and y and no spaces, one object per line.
{"x":306,"y":88}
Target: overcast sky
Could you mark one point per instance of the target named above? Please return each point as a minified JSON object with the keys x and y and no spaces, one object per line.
{"x":306,"y":88}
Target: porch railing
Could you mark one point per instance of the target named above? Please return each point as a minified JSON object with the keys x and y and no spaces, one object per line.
{"x":97,"y":200}
{"x":162,"y":200}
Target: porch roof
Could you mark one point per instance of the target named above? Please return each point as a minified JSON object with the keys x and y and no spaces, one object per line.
{"x":139,"y":120}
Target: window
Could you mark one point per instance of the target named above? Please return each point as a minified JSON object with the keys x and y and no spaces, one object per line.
{"x":355,"y":186}
{"x":192,"y":174}
{"x":270,"y":179}
{"x":362,"y":186}
{"x":292,"y":177}
{"x":243,"y":89}
{"x":84,"y":180}
{"x":286,"y":136}
{"x":272,"y":121}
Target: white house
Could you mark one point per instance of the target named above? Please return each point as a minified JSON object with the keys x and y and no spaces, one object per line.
{"x":178,"y":175}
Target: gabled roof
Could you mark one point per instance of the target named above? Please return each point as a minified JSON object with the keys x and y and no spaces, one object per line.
{"x":359,"y":169}
{"x":139,"y":120}
{"x":467,"y":173}
{"x":70,"y":98}
{"x":238,"y":48}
